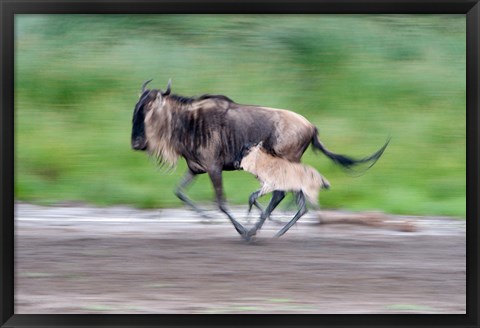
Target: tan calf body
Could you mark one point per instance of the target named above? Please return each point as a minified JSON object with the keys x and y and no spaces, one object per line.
{"x":275,"y":173}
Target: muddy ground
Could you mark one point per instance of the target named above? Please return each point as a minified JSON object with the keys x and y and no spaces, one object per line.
{"x":80,"y":259}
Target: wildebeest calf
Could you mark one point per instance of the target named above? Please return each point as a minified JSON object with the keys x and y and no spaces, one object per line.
{"x":275,"y":173}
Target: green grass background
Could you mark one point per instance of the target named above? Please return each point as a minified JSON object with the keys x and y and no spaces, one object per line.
{"x":358,"y":78}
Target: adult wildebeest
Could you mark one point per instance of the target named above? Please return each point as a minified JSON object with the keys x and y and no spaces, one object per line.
{"x":275,"y":173}
{"x":210,"y":131}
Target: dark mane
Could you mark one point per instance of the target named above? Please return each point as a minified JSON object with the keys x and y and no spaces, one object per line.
{"x":189,"y":100}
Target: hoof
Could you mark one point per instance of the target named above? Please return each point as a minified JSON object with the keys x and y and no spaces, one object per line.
{"x":249,"y":235}
{"x":246,"y":237}
{"x":251,"y":240}
{"x":279,"y":234}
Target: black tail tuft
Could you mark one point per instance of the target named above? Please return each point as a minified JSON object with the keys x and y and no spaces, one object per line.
{"x":347,"y":161}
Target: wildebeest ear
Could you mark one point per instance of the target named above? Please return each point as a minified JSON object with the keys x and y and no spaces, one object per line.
{"x":169,"y":88}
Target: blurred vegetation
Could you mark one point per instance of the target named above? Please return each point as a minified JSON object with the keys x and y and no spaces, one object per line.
{"x":359,"y":79}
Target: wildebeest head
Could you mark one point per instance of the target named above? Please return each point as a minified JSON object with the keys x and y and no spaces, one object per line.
{"x":148,"y":98}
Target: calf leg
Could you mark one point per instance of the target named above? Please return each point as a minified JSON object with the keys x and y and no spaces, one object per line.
{"x":216,"y":177}
{"x":302,"y":209}
{"x":252,"y":200}
{"x":277,"y":197}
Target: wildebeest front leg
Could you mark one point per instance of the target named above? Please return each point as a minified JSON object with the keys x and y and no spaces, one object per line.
{"x":187,"y":179}
{"x":301,"y":211}
{"x":277,"y":197}
{"x":216,"y":177}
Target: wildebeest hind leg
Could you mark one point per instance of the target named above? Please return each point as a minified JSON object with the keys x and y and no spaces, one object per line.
{"x":301,"y":211}
{"x":187,"y":179}
{"x":216,"y":177}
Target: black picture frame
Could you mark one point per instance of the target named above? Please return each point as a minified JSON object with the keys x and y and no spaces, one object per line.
{"x":9,"y":8}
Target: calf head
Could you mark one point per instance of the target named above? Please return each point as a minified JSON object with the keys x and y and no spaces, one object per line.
{"x":246,"y":149}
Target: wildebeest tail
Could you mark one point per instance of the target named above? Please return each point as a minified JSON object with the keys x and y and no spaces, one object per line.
{"x":347,"y":161}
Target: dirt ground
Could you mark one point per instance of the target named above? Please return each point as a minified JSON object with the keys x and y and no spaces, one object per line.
{"x":80,"y":259}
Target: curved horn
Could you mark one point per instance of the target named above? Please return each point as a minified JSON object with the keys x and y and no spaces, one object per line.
{"x":169,"y":88}
{"x":145,"y":84}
